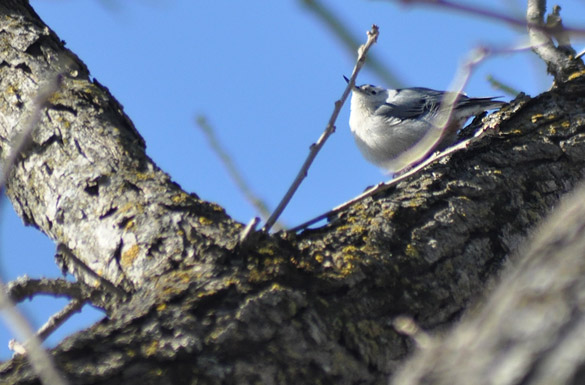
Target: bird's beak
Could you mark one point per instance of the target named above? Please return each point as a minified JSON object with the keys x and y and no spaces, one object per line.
{"x":347,"y":80}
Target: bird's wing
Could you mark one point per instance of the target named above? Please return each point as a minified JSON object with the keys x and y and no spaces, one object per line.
{"x":411,"y":103}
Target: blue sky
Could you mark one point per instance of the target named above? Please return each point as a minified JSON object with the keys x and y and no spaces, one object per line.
{"x":266,"y":75}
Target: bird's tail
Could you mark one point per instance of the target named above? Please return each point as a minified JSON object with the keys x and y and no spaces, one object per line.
{"x":475,"y":106}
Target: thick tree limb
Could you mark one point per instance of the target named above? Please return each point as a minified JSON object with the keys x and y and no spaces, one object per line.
{"x":86,"y":170}
{"x":532,"y":329}
{"x":310,"y":308}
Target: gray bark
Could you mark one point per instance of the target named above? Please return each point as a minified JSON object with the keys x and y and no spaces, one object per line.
{"x":315,"y":307}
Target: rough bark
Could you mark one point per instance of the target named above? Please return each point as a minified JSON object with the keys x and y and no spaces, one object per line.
{"x":316,"y":307}
{"x":532,"y":329}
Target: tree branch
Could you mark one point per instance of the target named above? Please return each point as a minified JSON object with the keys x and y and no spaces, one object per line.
{"x":316,"y":147}
{"x":532,"y":327}
{"x":560,"y":61}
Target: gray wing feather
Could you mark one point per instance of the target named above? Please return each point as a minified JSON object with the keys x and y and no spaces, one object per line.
{"x":411,"y":103}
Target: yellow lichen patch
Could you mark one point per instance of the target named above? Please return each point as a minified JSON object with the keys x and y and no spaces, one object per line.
{"x":346,"y":263}
{"x":131,"y":206}
{"x":576,"y":75}
{"x":255,"y":275}
{"x":11,"y":90}
{"x":55,"y":98}
{"x":411,"y":251}
{"x":388,"y":213}
{"x":205,"y":221}
{"x":347,"y":267}
{"x":319,"y":258}
{"x":179,"y":198}
{"x":129,"y":225}
{"x":553,"y":128}
{"x":130,"y":353}
{"x":535,"y":118}
{"x":273,"y":261}
{"x":151,"y":349}
{"x":161,"y":306}
{"x":538,"y":117}
{"x":129,"y":255}
{"x":157,"y":372}
{"x":342,"y":228}
{"x":266,"y":251}
{"x":144,"y":175}
{"x":301,"y":264}
{"x":217,"y":208}
{"x":275,"y":286}
{"x":349,"y":249}
{"x":175,"y":282}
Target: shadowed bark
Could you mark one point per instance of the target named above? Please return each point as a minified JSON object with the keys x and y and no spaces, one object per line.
{"x":316,"y":307}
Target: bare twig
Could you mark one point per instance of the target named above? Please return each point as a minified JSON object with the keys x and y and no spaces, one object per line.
{"x":407,"y":325}
{"x":542,"y":43}
{"x":25,"y":287}
{"x":58,"y":319}
{"x":486,"y":13}
{"x":40,"y":360}
{"x":497,"y":84}
{"x":68,"y":255}
{"x":560,"y":61}
{"x":232,"y":170}
{"x":50,"y":326}
{"x":380,"y":187}
{"x":22,"y":139}
{"x":315,"y":147}
{"x":249,"y":229}
{"x":340,"y":30}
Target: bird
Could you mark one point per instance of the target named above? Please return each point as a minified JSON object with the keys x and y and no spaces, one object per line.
{"x":386,"y":123}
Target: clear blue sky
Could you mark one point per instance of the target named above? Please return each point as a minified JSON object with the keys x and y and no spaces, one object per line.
{"x":266,"y":75}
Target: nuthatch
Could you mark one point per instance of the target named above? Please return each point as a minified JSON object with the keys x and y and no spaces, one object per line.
{"x":386,"y":123}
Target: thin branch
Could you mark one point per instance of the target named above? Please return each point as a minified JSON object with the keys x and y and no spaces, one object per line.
{"x":340,"y":30}
{"x":58,"y":319}
{"x":68,"y":255}
{"x":50,"y":326}
{"x":259,"y":204}
{"x":380,"y":187}
{"x":560,"y":61}
{"x":486,"y":13}
{"x":23,"y":139}
{"x":499,"y":85}
{"x":315,"y":147}
{"x":248,"y":230}
{"x":40,"y":360}
{"x":407,"y":326}
{"x":25,"y":287}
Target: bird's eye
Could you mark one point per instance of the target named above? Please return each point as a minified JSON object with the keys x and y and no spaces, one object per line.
{"x":374,"y":92}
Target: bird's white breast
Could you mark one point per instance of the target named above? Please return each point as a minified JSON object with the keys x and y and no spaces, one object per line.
{"x":381,"y":139}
